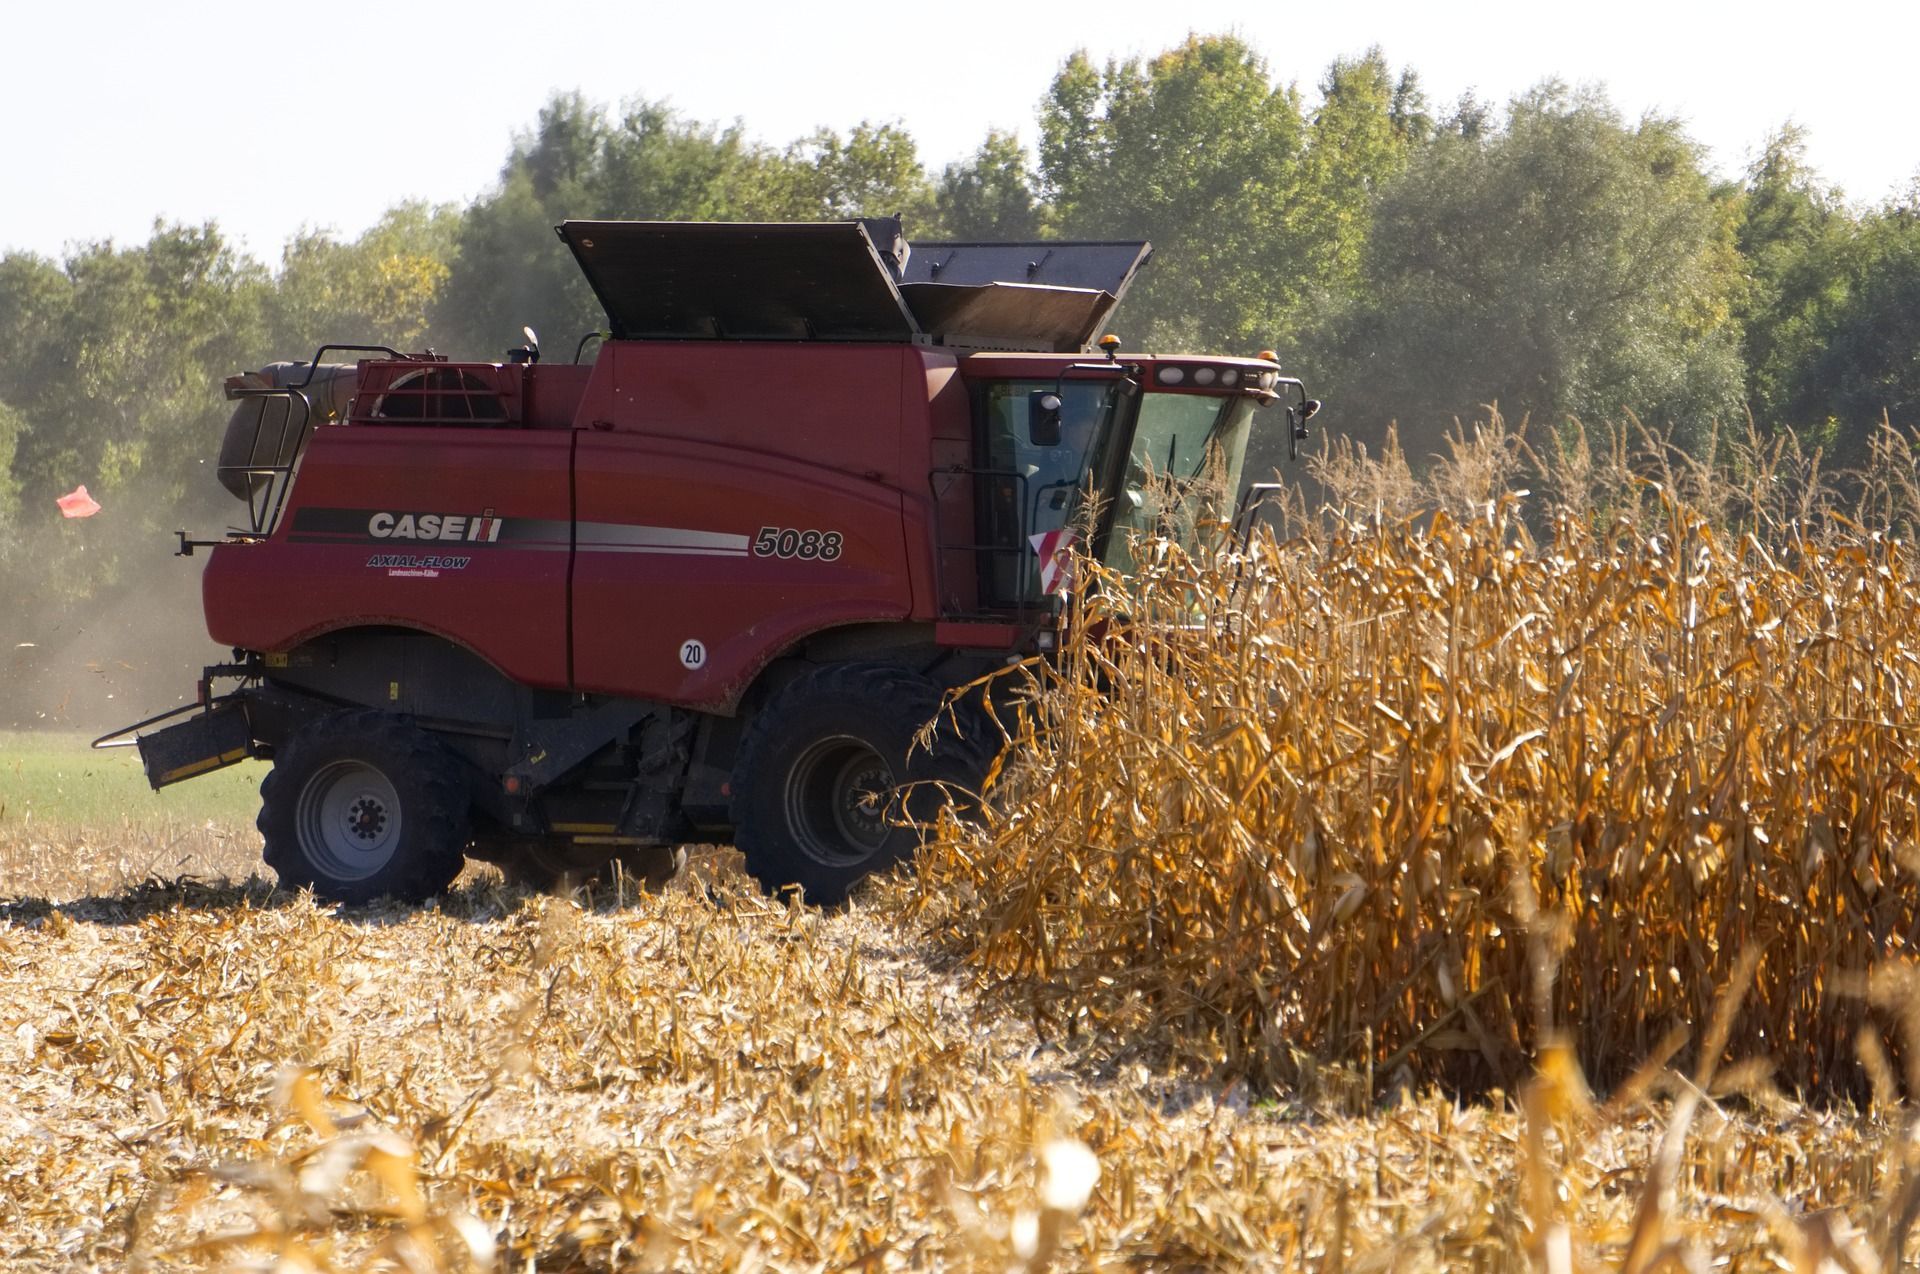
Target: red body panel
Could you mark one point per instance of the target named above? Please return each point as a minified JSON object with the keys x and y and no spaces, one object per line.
{"x":840,"y":406}
{"x":553,"y":394}
{"x":594,"y":556}
{"x":696,"y":578}
{"x":322,"y":573}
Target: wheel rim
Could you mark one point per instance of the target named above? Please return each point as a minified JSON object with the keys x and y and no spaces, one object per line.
{"x":348,"y":820}
{"x":840,"y":803}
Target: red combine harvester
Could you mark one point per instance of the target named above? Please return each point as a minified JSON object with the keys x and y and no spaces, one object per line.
{"x":708,"y":586}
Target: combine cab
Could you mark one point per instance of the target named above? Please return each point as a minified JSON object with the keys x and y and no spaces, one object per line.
{"x":710,"y":586}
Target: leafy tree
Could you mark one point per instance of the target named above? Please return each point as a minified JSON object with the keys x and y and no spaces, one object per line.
{"x":1563,"y":264}
{"x":379,"y":288}
{"x":1409,"y":108}
{"x":507,"y":270}
{"x":119,"y":390}
{"x":139,"y":334}
{"x":1471,"y":119}
{"x":1358,"y":141}
{"x":657,"y":166}
{"x":12,"y":425}
{"x":565,"y":151}
{"x":1794,"y":236}
{"x":874,"y":171}
{"x":1832,"y":306}
{"x":990,"y":196}
{"x":1859,"y":361}
{"x":1199,"y":152}
{"x":36,"y":297}
{"x":649,"y":165}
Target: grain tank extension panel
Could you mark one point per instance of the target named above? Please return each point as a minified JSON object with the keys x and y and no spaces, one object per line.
{"x":1041,"y":294}
{"x":668,"y":280}
{"x":681,"y":280}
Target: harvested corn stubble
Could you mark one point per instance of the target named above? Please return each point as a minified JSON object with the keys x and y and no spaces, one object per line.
{"x":228,"y":1079}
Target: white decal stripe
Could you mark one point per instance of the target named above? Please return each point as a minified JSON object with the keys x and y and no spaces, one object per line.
{"x":671,"y":550}
{"x":549,"y":546}
{"x":611,"y":534}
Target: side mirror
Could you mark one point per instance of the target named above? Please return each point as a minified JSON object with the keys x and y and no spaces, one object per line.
{"x":1297,"y":418}
{"x":1043,"y":418}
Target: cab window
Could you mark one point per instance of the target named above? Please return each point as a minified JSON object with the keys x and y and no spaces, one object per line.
{"x":1028,"y":490}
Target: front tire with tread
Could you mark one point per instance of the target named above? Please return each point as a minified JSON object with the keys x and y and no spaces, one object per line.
{"x":831,"y":781}
{"x":362,"y":805}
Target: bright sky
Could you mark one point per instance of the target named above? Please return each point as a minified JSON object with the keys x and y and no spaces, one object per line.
{"x":270,"y":117}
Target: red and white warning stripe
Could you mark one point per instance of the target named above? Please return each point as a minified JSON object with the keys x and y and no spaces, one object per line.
{"x":1055,"y":551}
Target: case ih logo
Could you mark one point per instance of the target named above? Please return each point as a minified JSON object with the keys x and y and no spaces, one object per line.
{"x":482,"y":528}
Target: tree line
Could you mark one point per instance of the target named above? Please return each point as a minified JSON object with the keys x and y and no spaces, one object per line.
{"x":1413,"y":262}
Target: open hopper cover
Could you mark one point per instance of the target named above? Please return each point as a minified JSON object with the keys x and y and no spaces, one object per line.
{"x":1103,"y":265}
{"x":1015,"y":316}
{"x":797,"y":281}
{"x":837,"y":281}
{"x":1042,"y":294}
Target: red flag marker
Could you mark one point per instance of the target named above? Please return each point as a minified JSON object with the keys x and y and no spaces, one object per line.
{"x":77,"y":503}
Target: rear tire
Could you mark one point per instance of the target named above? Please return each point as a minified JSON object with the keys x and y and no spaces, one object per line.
{"x":363,"y":805}
{"x":830,"y":783}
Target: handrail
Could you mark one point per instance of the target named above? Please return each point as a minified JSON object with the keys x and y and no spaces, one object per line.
{"x":264,"y":513}
{"x":1021,"y":603}
{"x":388,"y":350}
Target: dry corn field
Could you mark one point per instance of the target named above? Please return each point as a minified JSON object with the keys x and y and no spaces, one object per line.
{"x":1293,"y":936}
{"x":1412,"y":795}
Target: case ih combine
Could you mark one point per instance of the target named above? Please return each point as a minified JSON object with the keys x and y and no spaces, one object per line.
{"x":708,"y":586}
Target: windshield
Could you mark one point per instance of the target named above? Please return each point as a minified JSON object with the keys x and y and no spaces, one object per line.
{"x":1182,"y":471}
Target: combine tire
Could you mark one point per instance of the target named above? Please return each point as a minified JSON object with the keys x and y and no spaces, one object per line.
{"x":362,"y":805}
{"x":829,"y":781}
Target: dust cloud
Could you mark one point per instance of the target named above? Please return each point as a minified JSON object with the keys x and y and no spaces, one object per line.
{"x":111,"y":660}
